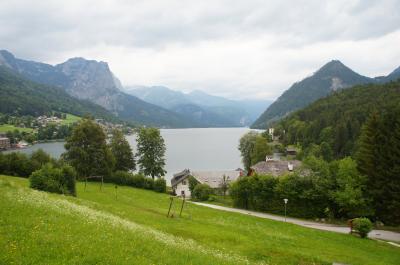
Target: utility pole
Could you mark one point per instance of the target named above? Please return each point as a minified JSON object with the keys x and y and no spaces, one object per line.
{"x":286,"y":201}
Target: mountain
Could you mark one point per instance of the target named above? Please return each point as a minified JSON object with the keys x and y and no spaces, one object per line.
{"x":21,"y":96}
{"x":393,"y":76}
{"x":93,"y":81}
{"x":210,"y":110}
{"x":159,"y":95}
{"x":331,"y":77}
{"x":335,"y":121}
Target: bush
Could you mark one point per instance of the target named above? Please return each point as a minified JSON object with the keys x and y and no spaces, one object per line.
{"x":120,"y":178}
{"x":160,"y":185}
{"x":362,"y":225}
{"x":201,"y":192}
{"x":51,"y":179}
{"x":148,"y":183}
{"x":137,"y":181}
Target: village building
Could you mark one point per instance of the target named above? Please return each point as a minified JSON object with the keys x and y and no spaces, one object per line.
{"x":274,"y":167}
{"x":5,"y":143}
{"x":271,"y":133}
{"x":292,"y":151}
{"x":214,"y":179}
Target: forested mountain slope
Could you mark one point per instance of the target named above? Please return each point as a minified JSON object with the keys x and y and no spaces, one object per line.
{"x":331,"y":77}
{"x":24,"y":97}
{"x":334,"y":123}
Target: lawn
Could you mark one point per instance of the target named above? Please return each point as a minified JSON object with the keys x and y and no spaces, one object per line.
{"x":70,"y":119}
{"x":9,"y":127}
{"x":129,"y":226}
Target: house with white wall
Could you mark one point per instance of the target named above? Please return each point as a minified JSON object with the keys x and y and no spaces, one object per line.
{"x":214,"y":179}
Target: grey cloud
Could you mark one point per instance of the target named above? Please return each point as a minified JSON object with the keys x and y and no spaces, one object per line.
{"x":166,"y":42}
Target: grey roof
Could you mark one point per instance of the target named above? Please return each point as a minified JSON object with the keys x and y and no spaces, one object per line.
{"x":215,"y":178}
{"x":211,"y":178}
{"x":178,"y":177}
{"x":275,"y":167}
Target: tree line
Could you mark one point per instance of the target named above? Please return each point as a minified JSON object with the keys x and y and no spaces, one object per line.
{"x":89,"y":154}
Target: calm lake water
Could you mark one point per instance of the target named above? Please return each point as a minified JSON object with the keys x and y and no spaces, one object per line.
{"x":196,"y":149}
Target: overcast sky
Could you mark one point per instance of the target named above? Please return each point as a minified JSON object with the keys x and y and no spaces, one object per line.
{"x":237,"y":49}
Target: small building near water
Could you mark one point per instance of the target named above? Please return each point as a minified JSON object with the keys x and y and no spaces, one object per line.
{"x":214,"y":179}
{"x":5,"y":143}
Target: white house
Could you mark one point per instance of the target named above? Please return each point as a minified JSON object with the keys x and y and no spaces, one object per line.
{"x":214,"y":179}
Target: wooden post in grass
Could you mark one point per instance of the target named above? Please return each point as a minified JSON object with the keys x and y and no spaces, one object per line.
{"x":170,"y":205}
{"x":101,"y":186}
{"x":85,"y":183}
{"x":183,"y":202}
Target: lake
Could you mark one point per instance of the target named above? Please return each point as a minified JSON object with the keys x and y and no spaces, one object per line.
{"x":196,"y":149}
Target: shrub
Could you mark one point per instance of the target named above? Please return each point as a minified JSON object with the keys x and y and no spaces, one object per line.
{"x":148,"y":183}
{"x":363,"y":226}
{"x":120,"y":178}
{"x":160,"y":185}
{"x":68,"y":180}
{"x":201,"y":192}
{"x":192,"y":183}
{"x":57,"y":180}
{"x":138,"y":181}
{"x":39,"y":158}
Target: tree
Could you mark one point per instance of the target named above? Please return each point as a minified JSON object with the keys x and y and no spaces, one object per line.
{"x":87,"y":150}
{"x":261,"y":150}
{"x":224,"y":185}
{"x":122,"y":151}
{"x":151,"y":152}
{"x":246,"y":146}
{"x":350,"y":192}
{"x":378,"y":158}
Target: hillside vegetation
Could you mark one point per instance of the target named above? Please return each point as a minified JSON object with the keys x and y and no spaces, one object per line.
{"x":19,"y":96}
{"x":336,"y":121}
{"x":129,"y":226}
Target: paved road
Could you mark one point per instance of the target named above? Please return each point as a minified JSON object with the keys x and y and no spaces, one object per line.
{"x":377,"y":234}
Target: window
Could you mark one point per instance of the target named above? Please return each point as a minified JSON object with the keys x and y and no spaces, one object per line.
{"x":184,"y":182}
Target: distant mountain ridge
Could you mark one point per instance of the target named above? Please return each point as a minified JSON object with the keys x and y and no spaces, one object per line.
{"x":92,"y":80}
{"x":331,"y":77}
{"x":202,"y":107}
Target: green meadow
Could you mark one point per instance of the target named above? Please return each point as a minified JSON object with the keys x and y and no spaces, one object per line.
{"x":70,"y":119}
{"x":129,"y":226}
{"x":9,"y":127}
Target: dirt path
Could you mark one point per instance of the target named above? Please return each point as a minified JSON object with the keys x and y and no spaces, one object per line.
{"x":376,"y":234}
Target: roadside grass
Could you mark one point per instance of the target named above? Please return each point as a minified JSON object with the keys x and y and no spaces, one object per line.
{"x":9,"y":127}
{"x":129,"y":226}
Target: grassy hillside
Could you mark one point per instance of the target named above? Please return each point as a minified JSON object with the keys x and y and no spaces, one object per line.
{"x":9,"y":127}
{"x":132,"y":228}
{"x":70,"y":119}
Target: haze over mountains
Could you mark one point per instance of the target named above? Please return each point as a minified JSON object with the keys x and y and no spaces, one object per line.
{"x":331,"y":77}
{"x":201,"y":107}
{"x":94,"y":81}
